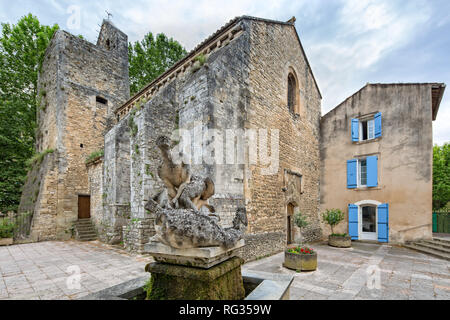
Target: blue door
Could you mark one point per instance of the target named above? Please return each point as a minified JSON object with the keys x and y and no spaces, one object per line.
{"x":353,"y":221}
{"x":383,"y":222}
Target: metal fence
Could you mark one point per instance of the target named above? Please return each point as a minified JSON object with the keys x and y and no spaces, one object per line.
{"x":21,"y":224}
{"x":441,"y":222}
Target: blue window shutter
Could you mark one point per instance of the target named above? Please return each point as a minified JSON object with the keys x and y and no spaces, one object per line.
{"x":378,"y":130}
{"x":351,"y":174}
{"x":353,"y":221}
{"x":372,"y":171}
{"x":355,"y":130}
{"x":383,"y":222}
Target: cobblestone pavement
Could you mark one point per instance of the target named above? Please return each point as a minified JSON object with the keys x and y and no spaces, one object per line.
{"x":404,"y":274}
{"x":43,"y":270}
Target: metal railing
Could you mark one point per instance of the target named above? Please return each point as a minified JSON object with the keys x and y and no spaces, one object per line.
{"x":20,"y":223}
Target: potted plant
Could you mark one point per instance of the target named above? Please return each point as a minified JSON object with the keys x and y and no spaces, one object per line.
{"x":300,"y":258}
{"x":6,"y":232}
{"x":340,"y":240}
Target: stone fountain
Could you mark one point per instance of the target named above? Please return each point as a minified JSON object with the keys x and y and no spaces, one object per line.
{"x":195,"y":256}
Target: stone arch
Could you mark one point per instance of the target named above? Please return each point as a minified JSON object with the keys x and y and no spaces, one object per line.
{"x":292,"y":91}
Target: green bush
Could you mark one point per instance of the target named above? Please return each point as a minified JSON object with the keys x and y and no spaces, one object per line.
{"x":300,"y":220}
{"x":6,"y":228}
{"x":38,"y":157}
{"x":339,"y":235}
{"x":94,"y":155}
{"x":333,"y":217}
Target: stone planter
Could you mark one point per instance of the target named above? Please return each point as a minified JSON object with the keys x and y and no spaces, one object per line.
{"x":302,"y":262}
{"x":339,"y":241}
{"x":6,"y":241}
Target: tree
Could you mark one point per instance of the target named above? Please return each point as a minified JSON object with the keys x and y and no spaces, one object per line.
{"x":150,"y":58}
{"x":441,"y":176}
{"x":22,"y":48}
{"x":333,"y":217}
{"x":301,"y":222}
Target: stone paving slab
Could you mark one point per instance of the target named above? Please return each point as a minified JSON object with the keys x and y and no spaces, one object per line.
{"x":41,"y":270}
{"x":353,"y":273}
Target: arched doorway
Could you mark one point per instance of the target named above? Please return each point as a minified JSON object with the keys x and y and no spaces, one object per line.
{"x":289,"y":223}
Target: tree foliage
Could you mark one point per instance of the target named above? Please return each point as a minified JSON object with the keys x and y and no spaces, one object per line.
{"x":22,"y":48}
{"x":332,"y":217}
{"x":441,"y":176}
{"x":150,"y":57}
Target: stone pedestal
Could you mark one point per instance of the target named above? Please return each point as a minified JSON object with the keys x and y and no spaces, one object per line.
{"x":176,"y":282}
{"x":208,"y":273}
{"x":205,"y":257}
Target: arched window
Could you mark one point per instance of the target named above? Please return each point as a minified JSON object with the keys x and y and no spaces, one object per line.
{"x":292,"y":95}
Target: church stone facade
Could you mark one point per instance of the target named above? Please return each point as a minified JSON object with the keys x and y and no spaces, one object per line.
{"x":243,"y":105}
{"x":238,"y":89}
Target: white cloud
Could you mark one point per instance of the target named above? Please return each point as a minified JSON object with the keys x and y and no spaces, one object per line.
{"x":365,"y":33}
{"x":346,"y":40}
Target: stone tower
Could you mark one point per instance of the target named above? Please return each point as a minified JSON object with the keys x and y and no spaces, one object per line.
{"x":79,"y":87}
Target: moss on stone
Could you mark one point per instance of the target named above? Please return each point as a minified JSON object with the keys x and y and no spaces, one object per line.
{"x":221,"y":282}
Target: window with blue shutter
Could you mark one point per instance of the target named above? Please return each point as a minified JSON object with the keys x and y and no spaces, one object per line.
{"x":372,"y":171}
{"x":353,"y":230}
{"x":355,"y":130}
{"x":377,"y":120}
{"x":383,"y":222}
{"x":351,"y":173}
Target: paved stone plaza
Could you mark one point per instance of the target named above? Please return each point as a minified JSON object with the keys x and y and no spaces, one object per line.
{"x":40,"y":270}
{"x":342,"y":274}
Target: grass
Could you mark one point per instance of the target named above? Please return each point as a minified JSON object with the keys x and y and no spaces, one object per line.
{"x":94,"y":155}
{"x":38,"y":157}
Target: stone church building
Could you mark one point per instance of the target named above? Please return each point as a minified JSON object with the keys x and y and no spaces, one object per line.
{"x":245,"y":98}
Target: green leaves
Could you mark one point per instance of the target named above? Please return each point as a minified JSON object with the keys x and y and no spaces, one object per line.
{"x":441,"y":176}
{"x":6,"y":228}
{"x":150,"y":58}
{"x":300,"y":220}
{"x":333,"y":217}
{"x":22,"y":48}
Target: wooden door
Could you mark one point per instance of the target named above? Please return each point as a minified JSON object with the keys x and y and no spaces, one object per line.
{"x":84,"y":207}
{"x":290,"y":213}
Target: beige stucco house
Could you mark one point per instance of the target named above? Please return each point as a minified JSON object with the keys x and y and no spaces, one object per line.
{"x":376,"y":161}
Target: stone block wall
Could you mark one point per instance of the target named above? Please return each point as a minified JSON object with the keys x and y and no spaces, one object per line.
{"x":202,"y":97}
{"x":79,"y":84}
{"x":275,"y":52}
{"x":240,"y":86}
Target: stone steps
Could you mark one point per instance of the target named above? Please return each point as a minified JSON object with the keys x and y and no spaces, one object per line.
{"x":442,"y":244}
{"x":433,"y":246}
{"x":84,"y":230}
{"x":437,"y":247}
{"x":442,"y":240}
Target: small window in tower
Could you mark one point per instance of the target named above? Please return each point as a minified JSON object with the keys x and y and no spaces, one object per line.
{"x":81,"y":145}
{"x":101,"y":100}
{"x":108,"y":44}
{"x":291,"y":93}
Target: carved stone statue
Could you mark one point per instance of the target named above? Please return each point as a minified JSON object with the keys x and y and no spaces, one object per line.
{"x":186,"y":228}
{"x":179,"y":222}
{"x":175,"y":176}
{"x":196,"y":194}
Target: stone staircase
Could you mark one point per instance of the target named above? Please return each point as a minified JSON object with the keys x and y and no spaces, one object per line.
{"x":438,"y":247}
{"x":84,"y":230}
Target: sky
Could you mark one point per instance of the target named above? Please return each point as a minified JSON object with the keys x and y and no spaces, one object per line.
{"x":348,"y":42}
